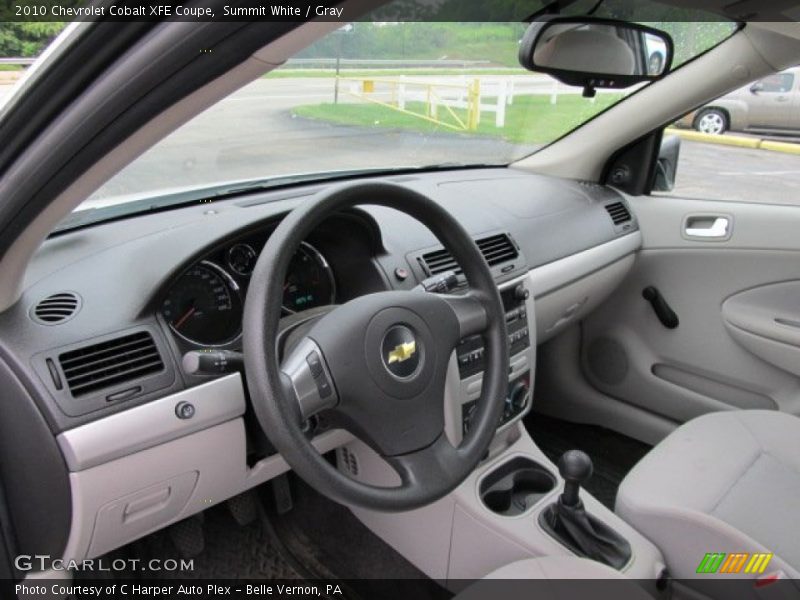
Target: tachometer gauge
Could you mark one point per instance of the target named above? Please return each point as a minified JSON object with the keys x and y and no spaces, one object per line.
{"x":309,"y":281}
{"x":204,"y":306}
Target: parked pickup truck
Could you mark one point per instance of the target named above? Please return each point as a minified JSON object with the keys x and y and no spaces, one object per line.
{"x":769,"y":104}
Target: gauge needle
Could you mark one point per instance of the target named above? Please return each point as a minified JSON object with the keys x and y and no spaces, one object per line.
{"x":177,"y":324}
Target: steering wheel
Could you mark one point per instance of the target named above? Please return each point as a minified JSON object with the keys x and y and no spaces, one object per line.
{"x":376,"y":366}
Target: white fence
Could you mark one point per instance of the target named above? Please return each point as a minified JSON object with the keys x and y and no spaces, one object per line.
{"x":493,"y":95}
{"x":475,"y":95}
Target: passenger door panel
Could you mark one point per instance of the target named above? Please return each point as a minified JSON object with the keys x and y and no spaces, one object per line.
{"x":728,"y":350}
{"x":766,"y":321}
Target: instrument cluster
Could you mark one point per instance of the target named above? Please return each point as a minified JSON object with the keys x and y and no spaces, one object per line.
{"x":204,"y":305}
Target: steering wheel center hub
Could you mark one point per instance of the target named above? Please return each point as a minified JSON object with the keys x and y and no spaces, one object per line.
{"x":400,"y":352}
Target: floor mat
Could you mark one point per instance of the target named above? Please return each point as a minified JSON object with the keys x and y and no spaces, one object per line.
{"x":229,"y":551}
{"x":612,"y":453}
{"x":327,"y":537}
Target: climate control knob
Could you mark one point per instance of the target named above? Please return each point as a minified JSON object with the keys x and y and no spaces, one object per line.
{"x":521,"y":293}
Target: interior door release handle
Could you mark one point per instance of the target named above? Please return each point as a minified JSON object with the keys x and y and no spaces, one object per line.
{"x":707,"y":227}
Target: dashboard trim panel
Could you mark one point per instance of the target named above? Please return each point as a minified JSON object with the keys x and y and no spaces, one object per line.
{"x":152,"y":424}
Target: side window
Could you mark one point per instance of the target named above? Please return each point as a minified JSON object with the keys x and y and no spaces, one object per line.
{"x":778,"y":83}
{"x":741,"y":147}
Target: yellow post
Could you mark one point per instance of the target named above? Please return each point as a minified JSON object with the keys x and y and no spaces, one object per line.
{"x":428,"y":108}
{"x":473,"y":104}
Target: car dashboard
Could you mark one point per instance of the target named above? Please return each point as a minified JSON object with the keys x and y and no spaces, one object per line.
{"x":94,"y":350}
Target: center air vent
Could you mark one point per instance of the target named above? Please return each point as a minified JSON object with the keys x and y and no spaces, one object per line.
{"x":110,"y":363}
{"x":619,"y":212}
{"x":496,"y":249}
{"x":56,"y":308}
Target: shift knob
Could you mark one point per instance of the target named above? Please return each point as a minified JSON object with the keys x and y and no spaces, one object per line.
{"x":576,"y":468}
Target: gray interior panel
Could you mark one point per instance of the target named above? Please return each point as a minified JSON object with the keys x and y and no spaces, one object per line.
{"x":766,"y":321}
{"x":734,"y":345}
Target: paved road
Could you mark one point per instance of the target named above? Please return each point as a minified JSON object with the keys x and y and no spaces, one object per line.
{"x":5,"y":89}
{"x":740,"y":174}
{"x":252,"y":134}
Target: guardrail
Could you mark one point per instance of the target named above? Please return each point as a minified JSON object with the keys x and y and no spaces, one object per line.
{"x":17,"y":61}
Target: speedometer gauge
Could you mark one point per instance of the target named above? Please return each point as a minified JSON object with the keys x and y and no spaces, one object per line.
{"x":203,"y":306}
{"x":309,"y":281}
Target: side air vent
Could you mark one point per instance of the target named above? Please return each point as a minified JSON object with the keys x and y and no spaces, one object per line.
{"x":496,"y":249}
{"x":56,"y":308}
{"x":110,"y":363}
{"x":618,"y":212}
{"x":438,"y":261}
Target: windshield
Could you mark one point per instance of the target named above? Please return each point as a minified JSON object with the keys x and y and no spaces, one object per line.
{"x":375,"y":97}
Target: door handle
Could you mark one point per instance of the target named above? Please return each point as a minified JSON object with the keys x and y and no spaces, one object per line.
{"x":707,"y":227}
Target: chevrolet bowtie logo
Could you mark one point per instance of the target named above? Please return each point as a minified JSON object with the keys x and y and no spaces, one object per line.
{"x":402,"y":352}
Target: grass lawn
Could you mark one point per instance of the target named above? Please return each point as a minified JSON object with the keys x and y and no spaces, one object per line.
{"x":10,"y":68}
{"x":330,"y":73}
{"x":531,"y":119}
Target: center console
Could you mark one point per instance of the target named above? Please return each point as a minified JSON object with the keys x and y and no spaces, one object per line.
{"x":470,"y":360}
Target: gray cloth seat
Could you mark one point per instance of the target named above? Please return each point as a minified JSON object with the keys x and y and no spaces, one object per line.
{"x":556,"y":577}
{"x":724,"y":482}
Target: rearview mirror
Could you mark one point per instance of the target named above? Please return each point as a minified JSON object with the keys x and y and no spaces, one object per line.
{"x":596,"y":53}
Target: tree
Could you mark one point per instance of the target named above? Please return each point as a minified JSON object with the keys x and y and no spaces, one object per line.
{"x":27,"y":39}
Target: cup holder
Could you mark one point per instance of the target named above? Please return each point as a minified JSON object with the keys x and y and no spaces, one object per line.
{"x":515,"y":486}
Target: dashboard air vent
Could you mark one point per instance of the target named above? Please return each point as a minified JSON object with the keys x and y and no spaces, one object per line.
{"x":110,"y":363}
{"x":438,"y":261}
{"x":619,"y":212}
{"x":56,"y":308}
{"x":496,"y":249}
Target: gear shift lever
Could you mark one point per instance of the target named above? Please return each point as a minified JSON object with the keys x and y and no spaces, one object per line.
{"x":576,"y":468}
{"x":568,"y":522}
